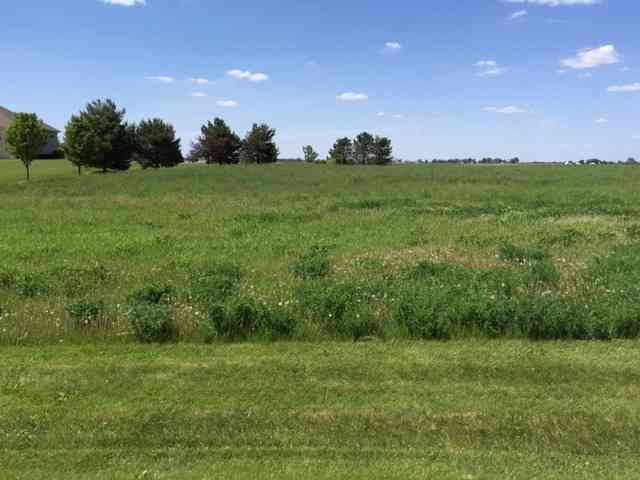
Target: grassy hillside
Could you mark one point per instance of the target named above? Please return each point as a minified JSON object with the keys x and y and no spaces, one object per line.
{"x":288,"y":411}
{"x":544,"y":241}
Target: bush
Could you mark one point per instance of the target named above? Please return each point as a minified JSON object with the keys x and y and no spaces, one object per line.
{"x":30,"y":285}
{"x":515,"y":254}
{"x":78,"y":281}
{"x":428,"y":270}
{"x":312,"y":264}
{"x":544,"y":272}
{"x":360,"y":323}
{"x":23,"y":284}
{"x":152,"y":323}
{"x":152,"y":294}
{"x":215,"y":283}
{"x":245,"y":319}
{"x":85,"y":314}
{"x":424,"y":314}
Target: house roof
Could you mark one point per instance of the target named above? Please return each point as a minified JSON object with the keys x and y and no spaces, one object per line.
{"x":7,"y":116}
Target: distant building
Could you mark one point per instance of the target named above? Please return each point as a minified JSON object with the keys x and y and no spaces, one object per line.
{"x":7,"y":116}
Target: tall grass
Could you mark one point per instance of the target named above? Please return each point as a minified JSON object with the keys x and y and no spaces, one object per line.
{"x":433,"y":252}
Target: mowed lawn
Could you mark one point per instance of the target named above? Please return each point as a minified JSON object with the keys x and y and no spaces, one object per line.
{"x":459,"y":410}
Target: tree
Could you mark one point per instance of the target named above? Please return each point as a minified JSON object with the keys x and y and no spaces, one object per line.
{"x":99,"y":138}
{"x":217,"y":143}
{"x":156,"y":145}
{"x":25,"y":137}
{"x":342,"y":152}
{"x":258,"y":145}
{"x":363,"y":148}
{"x":310,"y":155}
{"x":382,"y":151}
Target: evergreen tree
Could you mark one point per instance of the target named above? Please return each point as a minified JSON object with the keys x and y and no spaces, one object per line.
{"x":382,"y":151}
{"x":99,"y":138}
{"x":156,"y":144}
{"x":342,"y":152}
{"x":363,"y":148}
{"x":217,"y":143}
{"x":258,"y":145}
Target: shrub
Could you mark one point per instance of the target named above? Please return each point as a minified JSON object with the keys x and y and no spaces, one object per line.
{"x":544,"y":272}
{"x":30,"y":285}
{"x":360,"y":323}
{"x":633,"y":231}
{"x":424,"y":315}
{"x":78,"y":281}
{"x":85,"y":314}
{"x":215,"y":283}
{"x":515,"y":254}
{"x":7,"y":278}
{"x":240,"y":322}
{"x":277,"y":323}
{"x":245,"y":318}
{"x":312,"y":264}
{"x":427,"y":270}
{"x":152,"y":294}
{"x":152,"y":323}
{"x":23,"y":284}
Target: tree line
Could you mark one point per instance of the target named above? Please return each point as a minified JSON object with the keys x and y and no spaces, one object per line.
{"x":99,"y":137}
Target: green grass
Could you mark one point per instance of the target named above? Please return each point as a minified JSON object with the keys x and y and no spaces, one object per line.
{"x":536,"y":236}
{"x":373,"y":410}
{"x":314,"y":254}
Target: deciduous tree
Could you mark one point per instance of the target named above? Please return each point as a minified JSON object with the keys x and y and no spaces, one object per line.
{"x":310,"y":155}
{"x":25,"y":137}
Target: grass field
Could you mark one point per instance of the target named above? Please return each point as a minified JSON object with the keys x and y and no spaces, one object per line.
{"x":462,"y":410}
{"x":344,"y":252}
{"x":316,"y":257}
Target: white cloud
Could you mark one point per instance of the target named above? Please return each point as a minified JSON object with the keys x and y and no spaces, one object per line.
{"x":198,"y":94}
{"x":493,"y":72}
{"x":227,"y":103}
{"x":625,"y":69}
{"x":556,"y":3}
{"x":161,"y":79}
{"x":510,"y":110}
{"x":561,"y":72}
{"x":198,"y":81}
{"x":352,"y":97}
{"x":393,"y":46}
{"x":246,"y":75}
{"x":605,"y":55}
{"x":632,"y":87}
{"x":381,"y":114}
{"x":399,"y":116}
{"x":602,"y":121}
{"x":519,"y":14}
{"x":490,"y":68}
{"x":125,"y":3}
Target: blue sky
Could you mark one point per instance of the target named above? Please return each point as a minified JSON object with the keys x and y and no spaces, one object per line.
{"x":538,"y":79}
